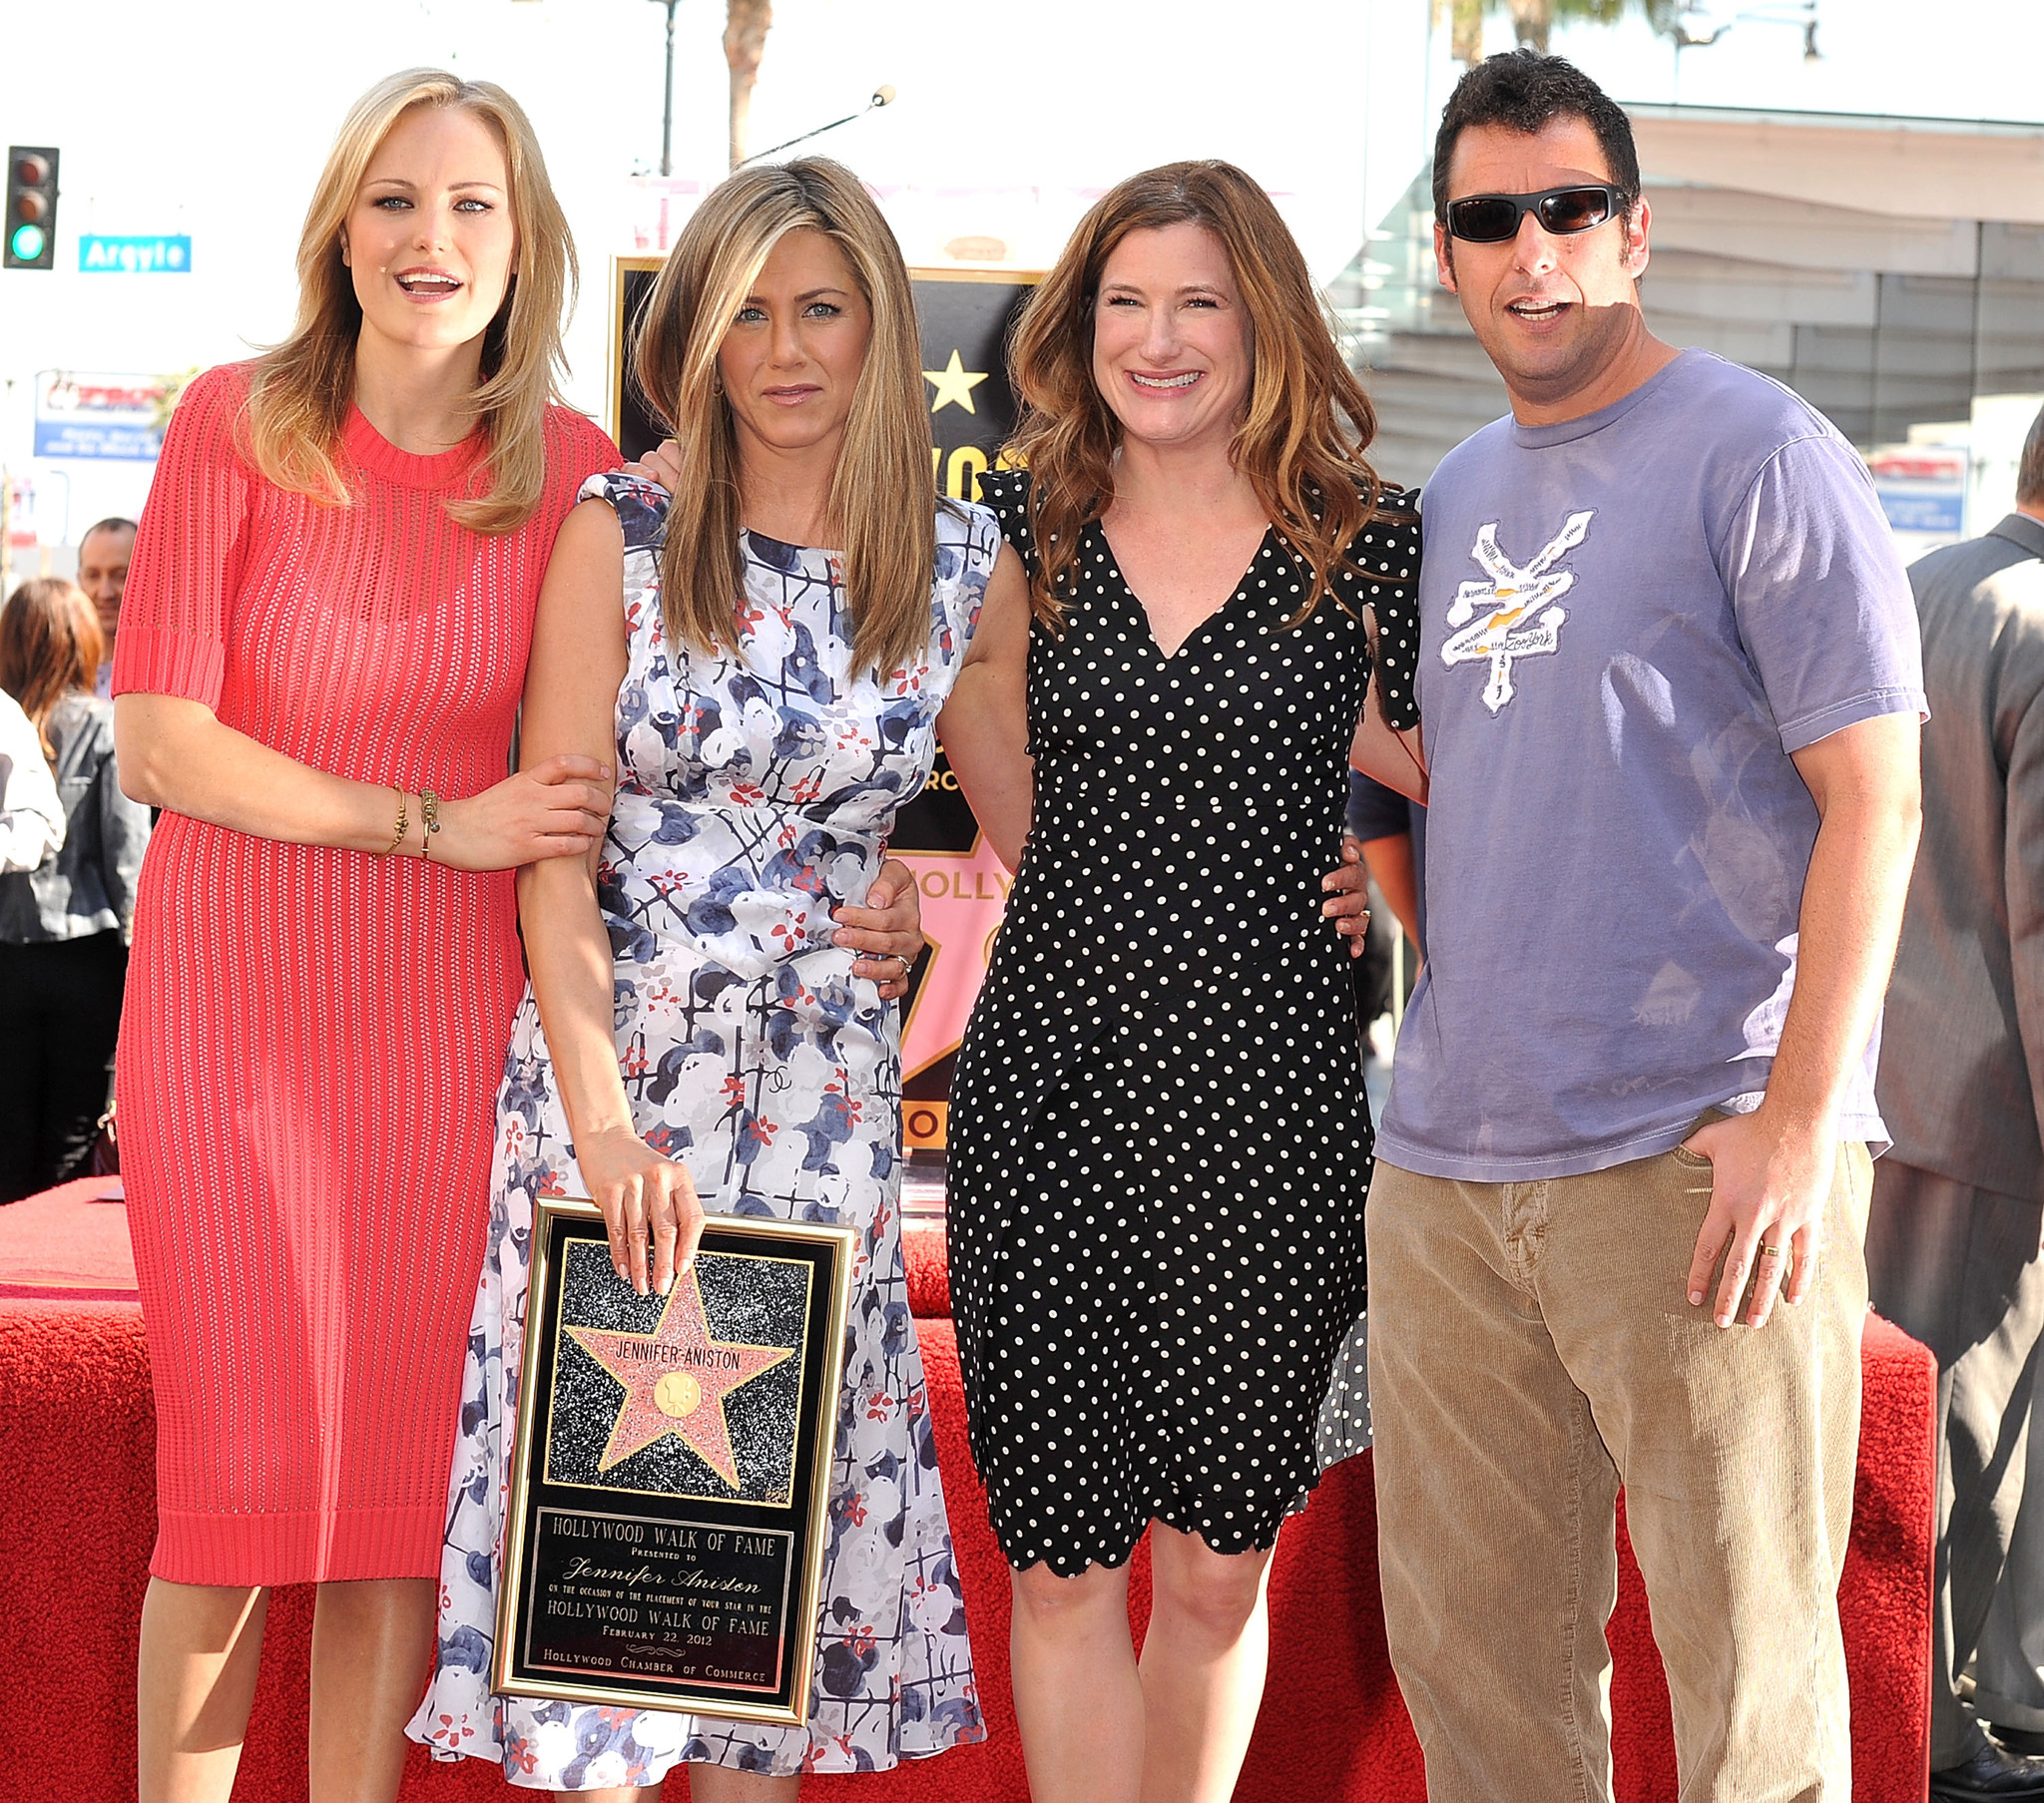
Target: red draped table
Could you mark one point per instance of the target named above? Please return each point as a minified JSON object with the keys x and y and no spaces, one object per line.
{"x":76,"y":1475}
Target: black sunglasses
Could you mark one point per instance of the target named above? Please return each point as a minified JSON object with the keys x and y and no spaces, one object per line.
{"x":1491,"y":219}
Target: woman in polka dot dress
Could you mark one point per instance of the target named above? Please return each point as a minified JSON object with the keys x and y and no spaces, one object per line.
{"x":1160,"y":1142}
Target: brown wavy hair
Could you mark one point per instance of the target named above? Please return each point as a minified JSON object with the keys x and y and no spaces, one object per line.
{"x":50,"y":647}
{"x":302,"y":389}
{"x":1308,"y":422}
{"x":883,"y":494}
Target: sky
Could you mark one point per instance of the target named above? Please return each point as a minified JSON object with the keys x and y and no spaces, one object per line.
{"x":211,"y":118}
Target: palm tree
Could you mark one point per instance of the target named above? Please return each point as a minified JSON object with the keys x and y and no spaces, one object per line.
{"x":1533,"y":20}
{"x":746,"y":25}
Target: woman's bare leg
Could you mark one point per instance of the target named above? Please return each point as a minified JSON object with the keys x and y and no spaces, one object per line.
{"x":370,"y":1642}
{"x":720,"y":1784}
{"x":195,"y":1677}
{"x":1078,"y":1697}
{"x":1203,"y":1666}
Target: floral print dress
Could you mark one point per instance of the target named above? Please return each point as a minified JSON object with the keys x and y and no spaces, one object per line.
{"x":753,"y":793}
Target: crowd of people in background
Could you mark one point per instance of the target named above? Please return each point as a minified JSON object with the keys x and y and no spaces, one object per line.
{"x":67,"y":898}
{"x":1615,"y":1141}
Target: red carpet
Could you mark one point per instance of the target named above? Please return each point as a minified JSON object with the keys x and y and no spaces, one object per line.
{"x":69,"y":1243}
{"x":77,"y":1472}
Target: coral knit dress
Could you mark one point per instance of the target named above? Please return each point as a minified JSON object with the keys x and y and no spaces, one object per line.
{"x":313,"y":1036}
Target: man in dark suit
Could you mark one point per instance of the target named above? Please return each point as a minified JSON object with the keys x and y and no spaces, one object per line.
{"x":1953,"y":1242}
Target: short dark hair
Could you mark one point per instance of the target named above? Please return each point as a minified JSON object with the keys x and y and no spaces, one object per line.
{"x":1522,"y":91}
{"x":2030,"y":471}
{"x":112,"y":522}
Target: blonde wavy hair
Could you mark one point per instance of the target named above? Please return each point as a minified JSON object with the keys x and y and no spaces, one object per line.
{"x":1308,"y":421}
{"x":883,"y":495}
{"x":302,"y":389}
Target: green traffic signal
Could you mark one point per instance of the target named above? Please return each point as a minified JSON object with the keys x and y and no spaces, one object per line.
{"x":30,"y":220}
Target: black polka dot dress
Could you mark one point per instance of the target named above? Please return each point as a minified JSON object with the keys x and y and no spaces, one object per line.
{"x":1158,"y":1139}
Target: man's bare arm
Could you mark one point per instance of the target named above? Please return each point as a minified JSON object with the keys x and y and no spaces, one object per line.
{"x":1771,"y":1169}
{"x":1394,"y":870}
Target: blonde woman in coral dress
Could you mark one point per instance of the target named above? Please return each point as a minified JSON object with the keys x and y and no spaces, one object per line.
{"x":325,"y":642}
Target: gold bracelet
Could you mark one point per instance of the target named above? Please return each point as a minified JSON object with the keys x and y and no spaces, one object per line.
{"x":429,"y":821}
{"x":403,"y":819}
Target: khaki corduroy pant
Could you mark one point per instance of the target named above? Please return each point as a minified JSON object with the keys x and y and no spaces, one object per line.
{"x":1531,"y":1349}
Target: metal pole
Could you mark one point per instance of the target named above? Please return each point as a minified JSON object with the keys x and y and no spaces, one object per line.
{"x":883,"y":96}
{"x":667,"y":113}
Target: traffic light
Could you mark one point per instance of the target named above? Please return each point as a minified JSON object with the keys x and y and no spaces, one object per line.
{"x":31,"y":207}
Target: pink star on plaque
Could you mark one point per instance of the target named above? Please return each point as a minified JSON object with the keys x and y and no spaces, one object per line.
{"x":676,"y":1379}
{"x":963,"y":895}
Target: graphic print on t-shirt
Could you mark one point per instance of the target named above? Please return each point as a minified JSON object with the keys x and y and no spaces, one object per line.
{"x":1511,"y":627}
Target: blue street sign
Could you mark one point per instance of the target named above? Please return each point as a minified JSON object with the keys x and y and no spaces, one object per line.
{"x":102,"y":254}
{"x":1923,"y":506}
{"x":92,"y":438}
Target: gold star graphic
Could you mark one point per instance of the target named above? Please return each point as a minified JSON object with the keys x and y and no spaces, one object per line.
{"x":955,"y":383}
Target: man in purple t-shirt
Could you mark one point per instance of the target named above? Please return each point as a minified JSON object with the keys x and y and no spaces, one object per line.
{"x":1670,"y":688}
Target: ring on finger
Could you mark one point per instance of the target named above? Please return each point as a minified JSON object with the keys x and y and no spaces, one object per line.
{"x":1770,"y":1251}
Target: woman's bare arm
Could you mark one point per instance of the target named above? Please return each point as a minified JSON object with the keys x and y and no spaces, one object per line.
{"x":985,"y":722}
{"x":174,"y":753}
{"x":579,"y":658}
{"x":1395,"y":757}
{"x":1391,"y":757}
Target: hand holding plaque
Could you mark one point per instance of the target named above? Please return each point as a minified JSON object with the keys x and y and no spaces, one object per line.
{"x":650,"y":1206}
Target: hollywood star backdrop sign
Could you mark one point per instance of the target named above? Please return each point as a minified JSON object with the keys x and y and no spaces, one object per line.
{"x":965,"y":317}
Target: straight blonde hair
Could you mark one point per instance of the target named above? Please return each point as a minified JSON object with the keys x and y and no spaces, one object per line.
{"x":302,"y":389}
{"x":884,"y":497}
{"x":1308,"y":421}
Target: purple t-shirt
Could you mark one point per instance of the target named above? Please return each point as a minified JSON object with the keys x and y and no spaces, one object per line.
{"x":1628,"y":623}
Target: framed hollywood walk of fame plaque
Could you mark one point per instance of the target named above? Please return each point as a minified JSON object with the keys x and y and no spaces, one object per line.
{"x":671,"y":1476}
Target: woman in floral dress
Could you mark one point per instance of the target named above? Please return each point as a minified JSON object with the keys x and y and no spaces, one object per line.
{"x":692,"y":1038}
